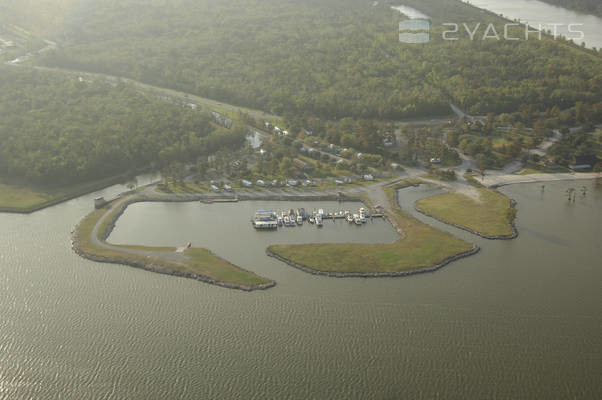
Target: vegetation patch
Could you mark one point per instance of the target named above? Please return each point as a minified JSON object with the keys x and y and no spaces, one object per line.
{"x":422,"y":248}
{"x":491,"y":217}
{"x":29,"y":198}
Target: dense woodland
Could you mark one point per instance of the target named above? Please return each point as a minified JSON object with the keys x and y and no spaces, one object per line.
{"x":333,"y":66}
{"x":584,"y":6}
{"x":55,"y":128}
{"x":332,"y":58}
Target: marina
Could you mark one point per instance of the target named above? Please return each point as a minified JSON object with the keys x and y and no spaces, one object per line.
{"x":180,"y":328}
{"x":272,"y":220}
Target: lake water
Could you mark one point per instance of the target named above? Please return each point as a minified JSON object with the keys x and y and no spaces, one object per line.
{"x":536,"y":12}
{"x":521,"y":319}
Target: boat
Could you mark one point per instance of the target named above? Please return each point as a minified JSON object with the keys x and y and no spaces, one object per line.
{"x":299,"y":220}
{"x":349,"y":218}
{"x":321,"y":212}
{"x":302,"y":213}
{"x":357,"y":219}
{"x":280,"y":221}
{"x":311,"y":219}
{"x":319,"y":222}
{"x":265,"y":219}
{"x":362,"y":217}
{"x":289,"y":221}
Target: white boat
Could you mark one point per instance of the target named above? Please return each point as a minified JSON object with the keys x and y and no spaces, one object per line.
{"x":349,"y":218}
{"x":287,"y":220}
{"x":311,"y":219}
{"x":357,"y":219}
{"x":319,"y":220}
{"x":362,"y":218}
{"x":265,"y":219}
{"x":299,"y":220}
{"x":321,"y":212}
{"x":280,"y":221}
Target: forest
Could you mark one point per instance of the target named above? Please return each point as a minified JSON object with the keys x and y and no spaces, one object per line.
{"x":585,"y":6}
{"x":331,"y":59}
{"x":61,"y":129}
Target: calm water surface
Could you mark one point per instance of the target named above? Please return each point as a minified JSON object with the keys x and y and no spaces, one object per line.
{"x":536,"y":12}
{"x":522,"y":319}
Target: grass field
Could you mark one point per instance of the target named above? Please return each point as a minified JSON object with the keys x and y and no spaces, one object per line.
{"x":27,"y":199}
{"x":16,"y":197}
{"x":423,"y":246}
{"x":490,"y":217}
{"x":200,"y":261}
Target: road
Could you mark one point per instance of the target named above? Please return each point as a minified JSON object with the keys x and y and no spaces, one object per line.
{"x":509,"y":179}
{"x":171,"y":256}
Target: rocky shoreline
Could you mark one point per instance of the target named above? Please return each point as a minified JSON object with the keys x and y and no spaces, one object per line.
{"x":155,"y":265}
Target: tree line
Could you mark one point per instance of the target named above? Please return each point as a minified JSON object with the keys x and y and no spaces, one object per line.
{"x":328,"y":58}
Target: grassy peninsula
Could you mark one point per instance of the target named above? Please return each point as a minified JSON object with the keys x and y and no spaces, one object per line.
{"x":490,"y":217}
{"x":194,"y":263}
{"x":422,"y":247}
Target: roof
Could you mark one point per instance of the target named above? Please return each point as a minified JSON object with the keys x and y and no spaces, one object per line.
{"x":590,"y":160}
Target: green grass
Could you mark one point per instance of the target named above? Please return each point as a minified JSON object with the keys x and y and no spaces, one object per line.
{"x":490,"y":217}
{"x":27,"y":198}
{"x":200,"y":261}
{"x":16,"y":197}
{"x":423,"y":246}
{"x":204,"y":262}
{"x":538,"y":169}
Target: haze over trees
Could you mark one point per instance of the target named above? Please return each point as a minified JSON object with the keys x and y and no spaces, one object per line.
{"x":332,"y":58}
{"x":584,"y":6}
{"x":56,"y":128}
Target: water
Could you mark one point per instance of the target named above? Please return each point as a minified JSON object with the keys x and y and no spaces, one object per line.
{"x":226,"y":229}
{"x":536,"y":12}
{"x":521,"y":319}
{"x":410,"y":12}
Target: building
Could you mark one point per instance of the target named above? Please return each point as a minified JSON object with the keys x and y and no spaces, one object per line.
{"x":302,"y":165}
{"x":584,"y":163}
{"x":99,"y":202}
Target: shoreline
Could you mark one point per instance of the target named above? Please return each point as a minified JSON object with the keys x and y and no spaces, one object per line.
{"x":511,"y":236}
{"x":154,"y":264}
{"x":93,"y":187}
